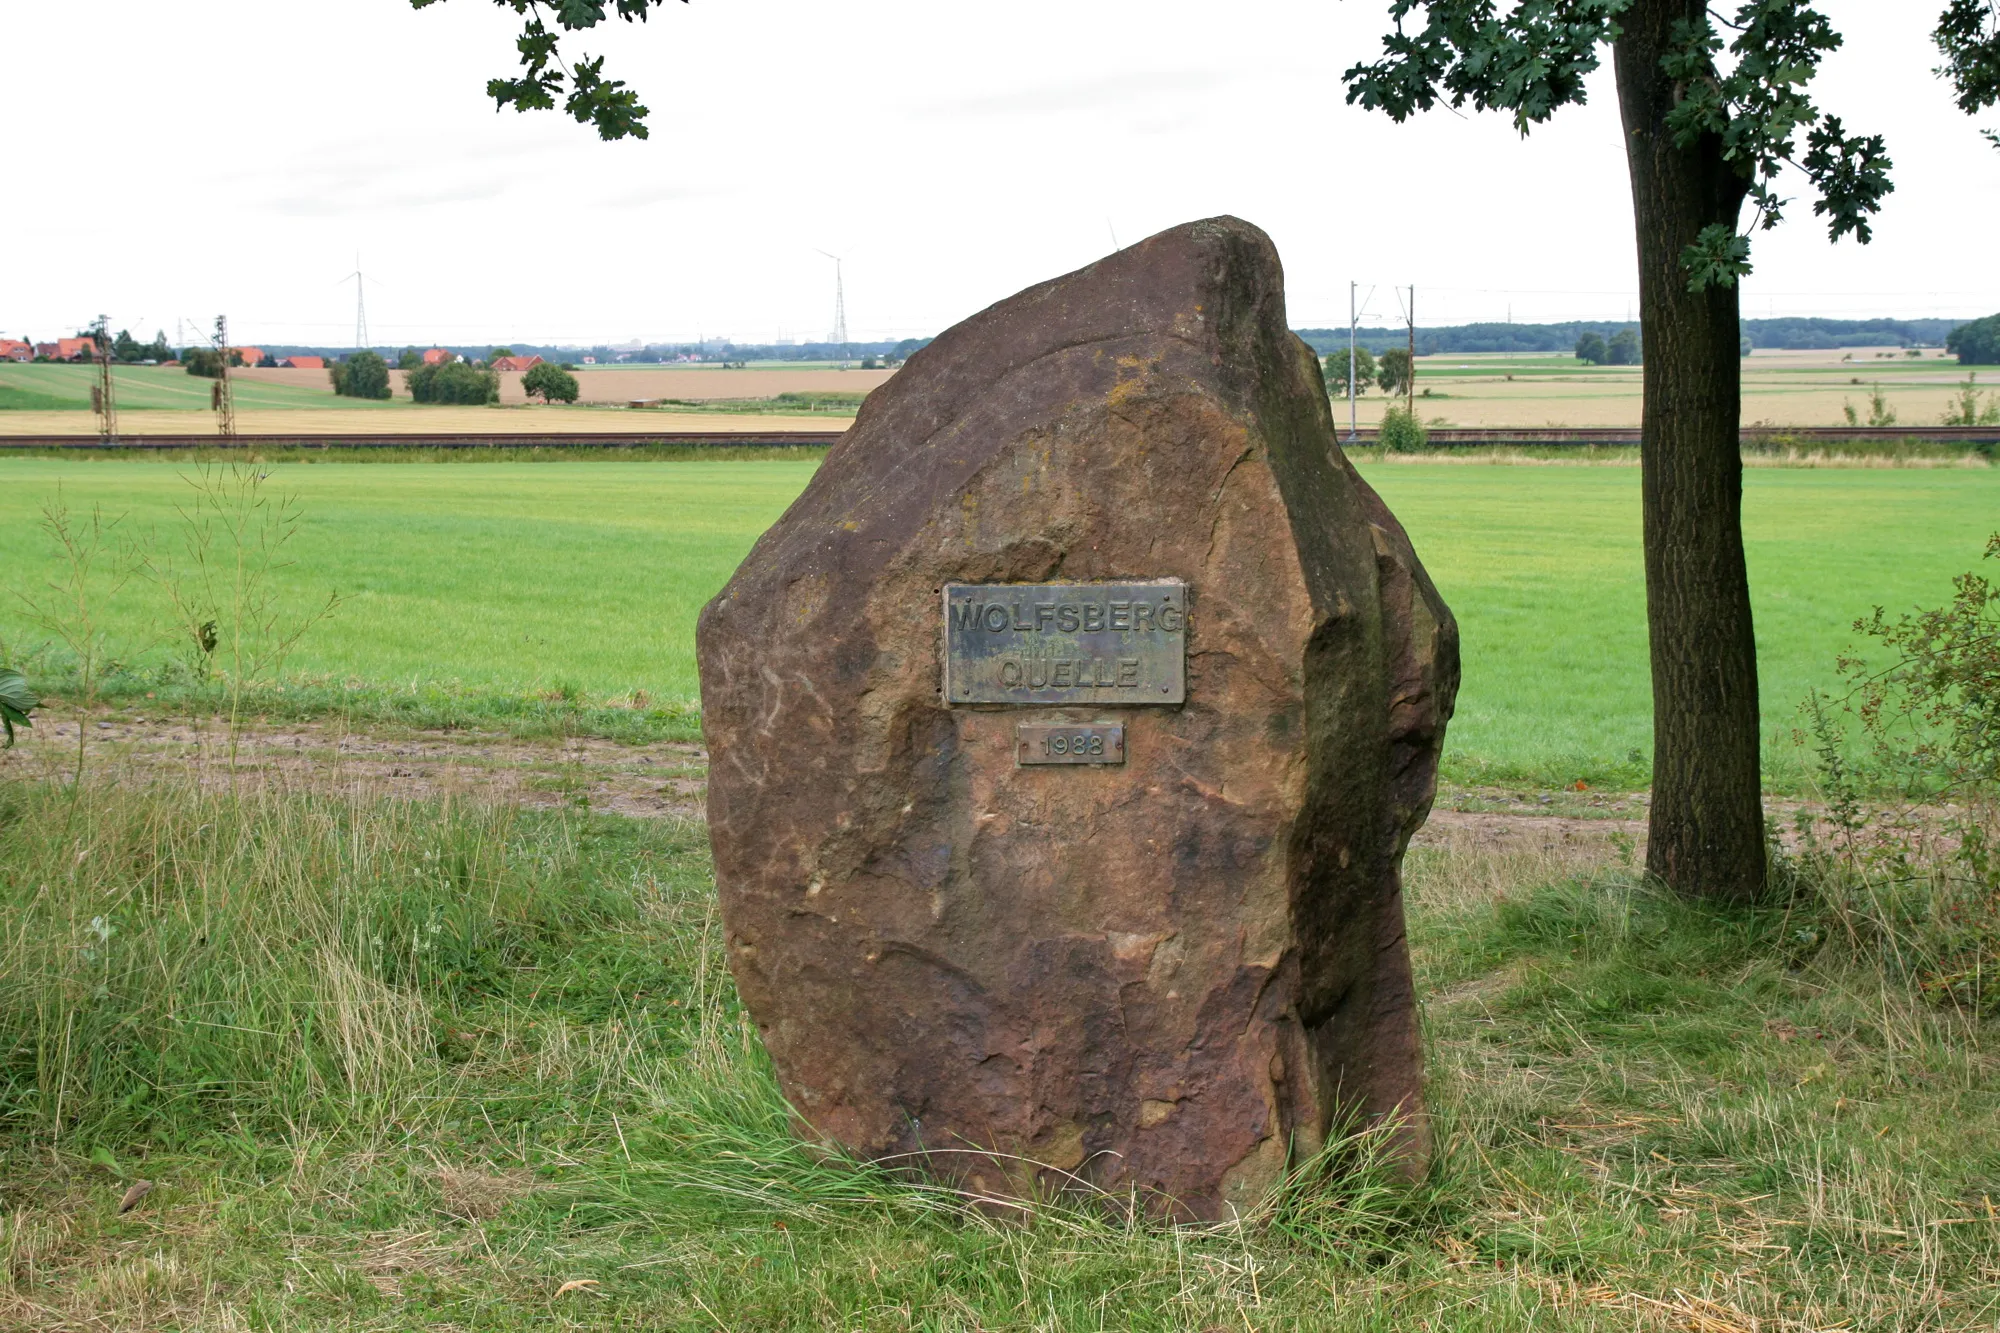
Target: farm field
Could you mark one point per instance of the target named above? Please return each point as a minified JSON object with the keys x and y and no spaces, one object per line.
{"x":588,"y":576}
{"x":55,"y":399}
{"x":1780,"y":388}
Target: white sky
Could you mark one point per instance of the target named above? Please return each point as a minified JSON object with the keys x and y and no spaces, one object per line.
{"x":166,"y":160}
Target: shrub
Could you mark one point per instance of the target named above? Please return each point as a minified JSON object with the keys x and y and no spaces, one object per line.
{"x":1590,"y":349}
{"x":1403,"y":432}
{"x":363,"y":375}
{"x":1966,"y":409}
{"x":454,"y":382}
{"x":1977,"y":343}
{"x":550,"y":383}
{"x":1925,"y":879}
{"x":203,"y":361}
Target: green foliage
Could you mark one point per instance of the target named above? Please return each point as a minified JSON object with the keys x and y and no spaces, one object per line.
{"x":1931,"y":721}
{"x":1395,"y":370}
{"x":409,"y":359}
{"x":1934,"y":711}
{"x":16,"y":702}
{"x":1623,"y":348}
{"x":1976,"y":343}
{"x":206,"y":362}
{"x":454,"y":382}
{"x":361,"y":375}
{"x":1402,"y":431}
{"x":1968,"y":33}
{"x":552,"y":384}
{"x":589,"y":98}
{"x":1533,"y":58}
{"x":1338,"y":367}
{"x":1591,"y":350}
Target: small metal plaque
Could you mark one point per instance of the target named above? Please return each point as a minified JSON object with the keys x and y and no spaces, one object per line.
{"x":1069,"y":743}
{"x":1065,"y":643}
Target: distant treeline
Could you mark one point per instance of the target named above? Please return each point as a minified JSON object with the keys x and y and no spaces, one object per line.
{"x":653,"y":354}
{"x":1800,"y":334}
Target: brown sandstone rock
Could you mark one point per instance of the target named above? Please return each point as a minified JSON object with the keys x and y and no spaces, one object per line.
{"x":1168,"y":975}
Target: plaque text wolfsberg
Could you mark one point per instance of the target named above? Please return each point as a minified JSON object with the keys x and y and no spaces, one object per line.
{"x":1066,"y":643}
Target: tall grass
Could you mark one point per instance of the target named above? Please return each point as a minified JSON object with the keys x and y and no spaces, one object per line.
{"x":174,"y":959}
{"x":396,"y":1065}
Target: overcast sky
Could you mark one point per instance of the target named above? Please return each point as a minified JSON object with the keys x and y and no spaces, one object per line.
{"x":167,"y":161}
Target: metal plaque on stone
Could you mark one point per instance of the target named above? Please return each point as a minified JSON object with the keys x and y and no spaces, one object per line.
{"x":1069,"y":743}
{"x":1066,"y":643}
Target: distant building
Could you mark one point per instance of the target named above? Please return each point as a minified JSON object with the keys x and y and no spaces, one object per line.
{"x":68,"y":349}
{"x":513,"y":362}
{"x":251,"y":355}
{"x":11,"y":350}
{"x":303,"y":363}
{"x":437,"y":356}
{"x":590,"y":361}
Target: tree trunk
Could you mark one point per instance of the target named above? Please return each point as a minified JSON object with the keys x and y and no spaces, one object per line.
{"x":1706,"y":835}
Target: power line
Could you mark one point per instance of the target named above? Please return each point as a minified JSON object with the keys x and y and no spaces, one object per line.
{"x":101,"y":399}
{"x":360,"y":304}
{"x":839,"y":306}
{"x":221,"y":396}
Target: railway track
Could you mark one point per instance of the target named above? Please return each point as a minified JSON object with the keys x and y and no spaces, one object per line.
{"x":1442,"y":437}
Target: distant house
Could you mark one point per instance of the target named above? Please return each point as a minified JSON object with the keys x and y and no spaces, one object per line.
{"x":69,"y":349}
{"x":303,"y":363}
{"x":11,"y":350}
{"x":437,"y":356}
{"x":251,"y":355}
{"x":513,"y":362}
{"x":590,"y":361}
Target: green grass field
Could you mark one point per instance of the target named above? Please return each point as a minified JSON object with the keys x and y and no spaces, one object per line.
{"x":139,"y":388}
{"x":588,"y":576}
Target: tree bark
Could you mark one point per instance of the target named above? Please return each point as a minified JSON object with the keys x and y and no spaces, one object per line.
{"x":1706,"y":834}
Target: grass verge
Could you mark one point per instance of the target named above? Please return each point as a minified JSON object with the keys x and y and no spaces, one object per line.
{"x":392,"y":1065}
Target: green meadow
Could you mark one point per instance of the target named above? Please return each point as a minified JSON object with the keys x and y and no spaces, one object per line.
{"x":55,"y":388}
{"x":586,"y":578}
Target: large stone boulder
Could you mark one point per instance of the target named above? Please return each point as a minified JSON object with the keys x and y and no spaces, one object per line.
{"x":1172,"y":974}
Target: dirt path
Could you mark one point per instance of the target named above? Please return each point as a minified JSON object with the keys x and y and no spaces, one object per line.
{"x":668,"y":780}
{"x":648,"y":781}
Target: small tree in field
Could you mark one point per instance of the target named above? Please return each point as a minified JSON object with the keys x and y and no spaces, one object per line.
{"x":1393,"y":372}
{"x":552,"y":384}
{"x":362,"y":375}
{"x":1590,"y":349}
{"x":1710,"y":122}
{"x":1337,"y":368}
{"x":1623,"y":349}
